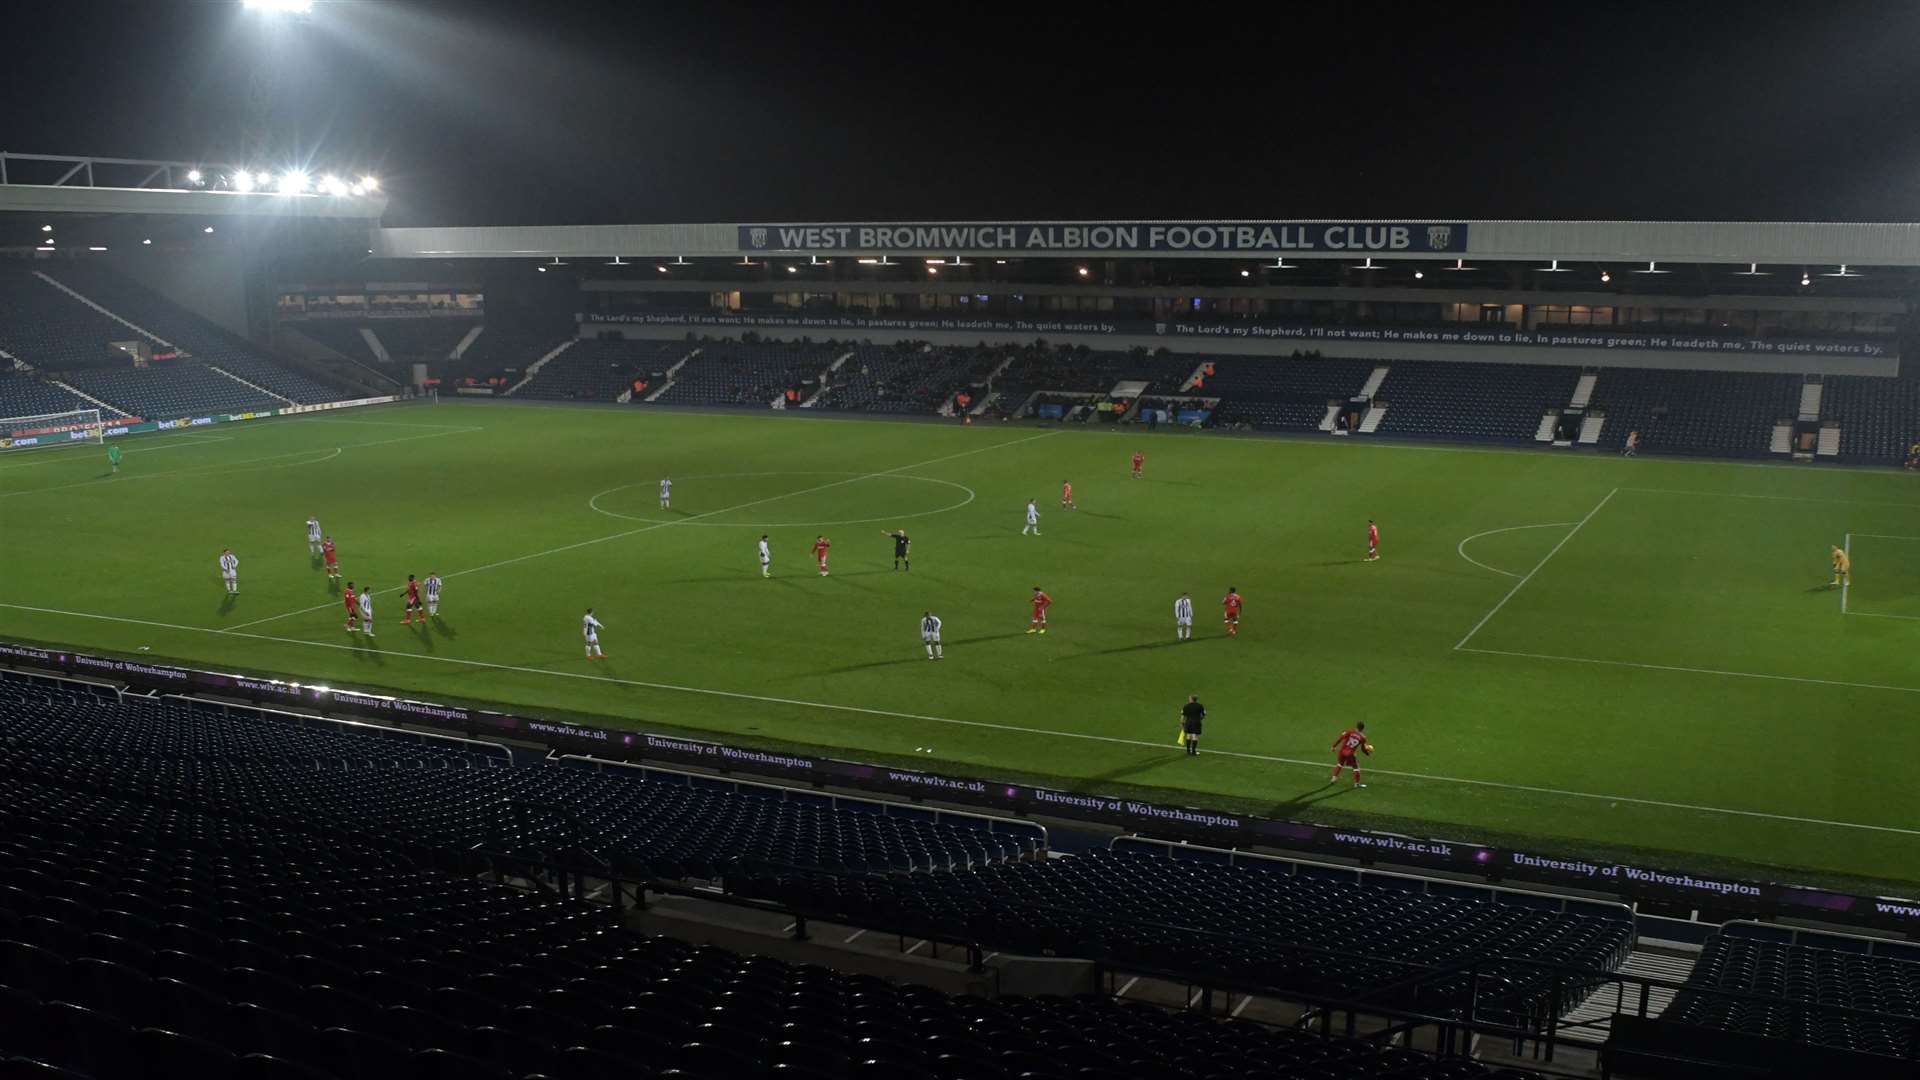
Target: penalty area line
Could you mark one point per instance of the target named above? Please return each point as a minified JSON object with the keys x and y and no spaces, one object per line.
{"x":862,"y":710}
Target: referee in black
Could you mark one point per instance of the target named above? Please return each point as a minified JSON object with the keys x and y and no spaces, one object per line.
{"x":1191,"y":714}
{"x":900,"y":547}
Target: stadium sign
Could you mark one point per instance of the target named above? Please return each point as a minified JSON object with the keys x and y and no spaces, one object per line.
{"x":1118,"y":237}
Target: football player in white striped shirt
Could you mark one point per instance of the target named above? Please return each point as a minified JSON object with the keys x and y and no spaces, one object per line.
{"x":313,"y":536}
{"x":230,"y":570}
{"x":1033,"y":519}
{"x":930,"y":636}
{"x":590,"y":629}
{"x":366,"y":611}
{"x":1183,"y":618}
{"x":433,"y":594}
{"x":766,"y":557}
{"x":666,"y":492}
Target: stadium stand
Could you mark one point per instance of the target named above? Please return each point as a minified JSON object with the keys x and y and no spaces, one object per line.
{"x":504,"y":345}
{"x":1879,"y":418}
{"x":1081,"y":370}
{"x":180,"y":925}
{"x":26,"y":394}
{"x":1716,"y":413}
{"x":1795,"y":973}
{"x":1283,"y":393}
{"x":910,"y":378}
{"x":174,"y":389}
{"x":748,"y":373}
{"x":1262,"y":925}
{"x":342,"y":337}
{"x":601,"y":370}
{"x":423,"y":340}
{"x":49,"y":329}
{"x":200,"y":338}
{"x":1473,"y":402}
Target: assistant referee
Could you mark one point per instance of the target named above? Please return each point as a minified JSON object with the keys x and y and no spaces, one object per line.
{"x":1191,"y":715}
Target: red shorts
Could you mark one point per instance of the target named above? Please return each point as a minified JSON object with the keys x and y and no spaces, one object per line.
{"x":333,"y":560}
{"x":1233,"y":614}
{"x":1349,"y":761}
{"x":1040,"y":613}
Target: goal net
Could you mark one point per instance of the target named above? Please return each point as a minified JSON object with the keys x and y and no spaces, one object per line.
{"x":51,"y":429}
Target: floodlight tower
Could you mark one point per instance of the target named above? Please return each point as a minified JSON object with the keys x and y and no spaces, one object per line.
{"x":274,"y":22}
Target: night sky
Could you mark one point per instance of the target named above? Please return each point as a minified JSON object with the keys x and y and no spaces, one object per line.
{"x":573,"y":112}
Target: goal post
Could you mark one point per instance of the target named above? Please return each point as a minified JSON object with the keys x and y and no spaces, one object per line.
{"x":51,"y":429}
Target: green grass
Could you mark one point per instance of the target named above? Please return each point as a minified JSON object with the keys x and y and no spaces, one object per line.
{"x":1678,"y":655}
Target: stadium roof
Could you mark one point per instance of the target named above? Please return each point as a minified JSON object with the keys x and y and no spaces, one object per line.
{"x":1796,"y":243}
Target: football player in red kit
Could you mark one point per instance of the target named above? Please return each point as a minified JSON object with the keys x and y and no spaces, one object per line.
{"x":332,"y":558}
{"x":413,"y":602}
{"x":820,"y":546}
{"x":1041,"y":601}
{"x":1139,"y":462}
{"x":353,"y":607}
{"x":1231,"y":604}
{"x":1351,"y":743}
{"x":1373,"y":541}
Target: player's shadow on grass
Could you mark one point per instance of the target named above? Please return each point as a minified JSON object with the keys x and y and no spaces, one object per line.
{"x":227,"y":604}
{"x":988,"y":637}
{"x":1097,"y":514}
{"x":444,"y":628}
{"x":1319,"y":793}
{"x":1825,"y":586}
{"x":1158,"y":758}
{"x":1143,"y":646}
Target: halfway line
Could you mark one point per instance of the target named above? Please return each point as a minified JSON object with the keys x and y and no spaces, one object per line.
{"x":1518,"y":585}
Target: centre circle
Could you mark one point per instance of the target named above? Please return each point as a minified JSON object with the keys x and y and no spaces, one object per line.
{"x":848,"y":480}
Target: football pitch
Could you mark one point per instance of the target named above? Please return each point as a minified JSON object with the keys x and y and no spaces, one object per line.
{"x":1613,"y":655}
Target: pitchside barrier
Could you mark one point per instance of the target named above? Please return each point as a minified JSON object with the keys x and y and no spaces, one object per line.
{"x":135,"y":425}
{"x":1664,"y":888}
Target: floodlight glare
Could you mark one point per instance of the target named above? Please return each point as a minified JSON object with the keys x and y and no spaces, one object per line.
{"x":283,"y":7}
{"x":263,"y":178}
{"x":333,"y":185}
{"x":193,"y":176}
{"x":208,"y":229}
{"x":243,"y":182}
{"x":293,"y":183}
{"x":46,"y":228}
{"x":148,"y":242}
{"x":357,"y":190}
{"x":371,"y":183}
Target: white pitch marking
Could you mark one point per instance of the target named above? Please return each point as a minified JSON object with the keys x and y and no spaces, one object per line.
{"x":1084,"y":736}
{"x":1847,"y":582}
{"x":669,"y":524}
{"x":1882,"y":536}
{"x":217,"y":466}
{"x":1462,"y":549}
{"x":594,"y":504}
{"x":1915,"y":506}
{"x":1518,"y":585}
{"x":175,"y":442}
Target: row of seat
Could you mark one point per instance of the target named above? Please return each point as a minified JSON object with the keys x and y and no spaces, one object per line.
{"x":743,"y":373}
{"x":157,"y":942}
{"x":1792,"y":973}
{"x":595,"y":369}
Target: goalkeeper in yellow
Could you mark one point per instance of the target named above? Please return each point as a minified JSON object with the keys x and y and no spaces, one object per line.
{"x":1842,"y":567}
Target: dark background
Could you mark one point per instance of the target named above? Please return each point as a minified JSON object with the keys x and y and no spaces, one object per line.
{"x":571,"y":112}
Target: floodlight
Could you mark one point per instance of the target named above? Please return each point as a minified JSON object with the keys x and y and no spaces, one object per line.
{"x":147,"y":242}
{"x":1806,"y":278}
{"x":96,"y":249}
{"x":933,"y":269}
{"x":1084,"y":271}
{"x":243,"y":182}
{"x":1246,"y":273}
{"x":371,"y":183}
{"x":46,"y":228}
{"x":208,"y":229}
{"x":357,"y":190}
{"x":293,"y":183}
{"x":542,"y":269}
{"x":1605,"y":277}
{"x":193,"y":176}
{"x":279,"y":7}
{"x":1418,"y":274}
{"x":662,"y":269}
{"x":263,"y":178}
{"x":793,"y":269}
{"x":333,"y":185}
